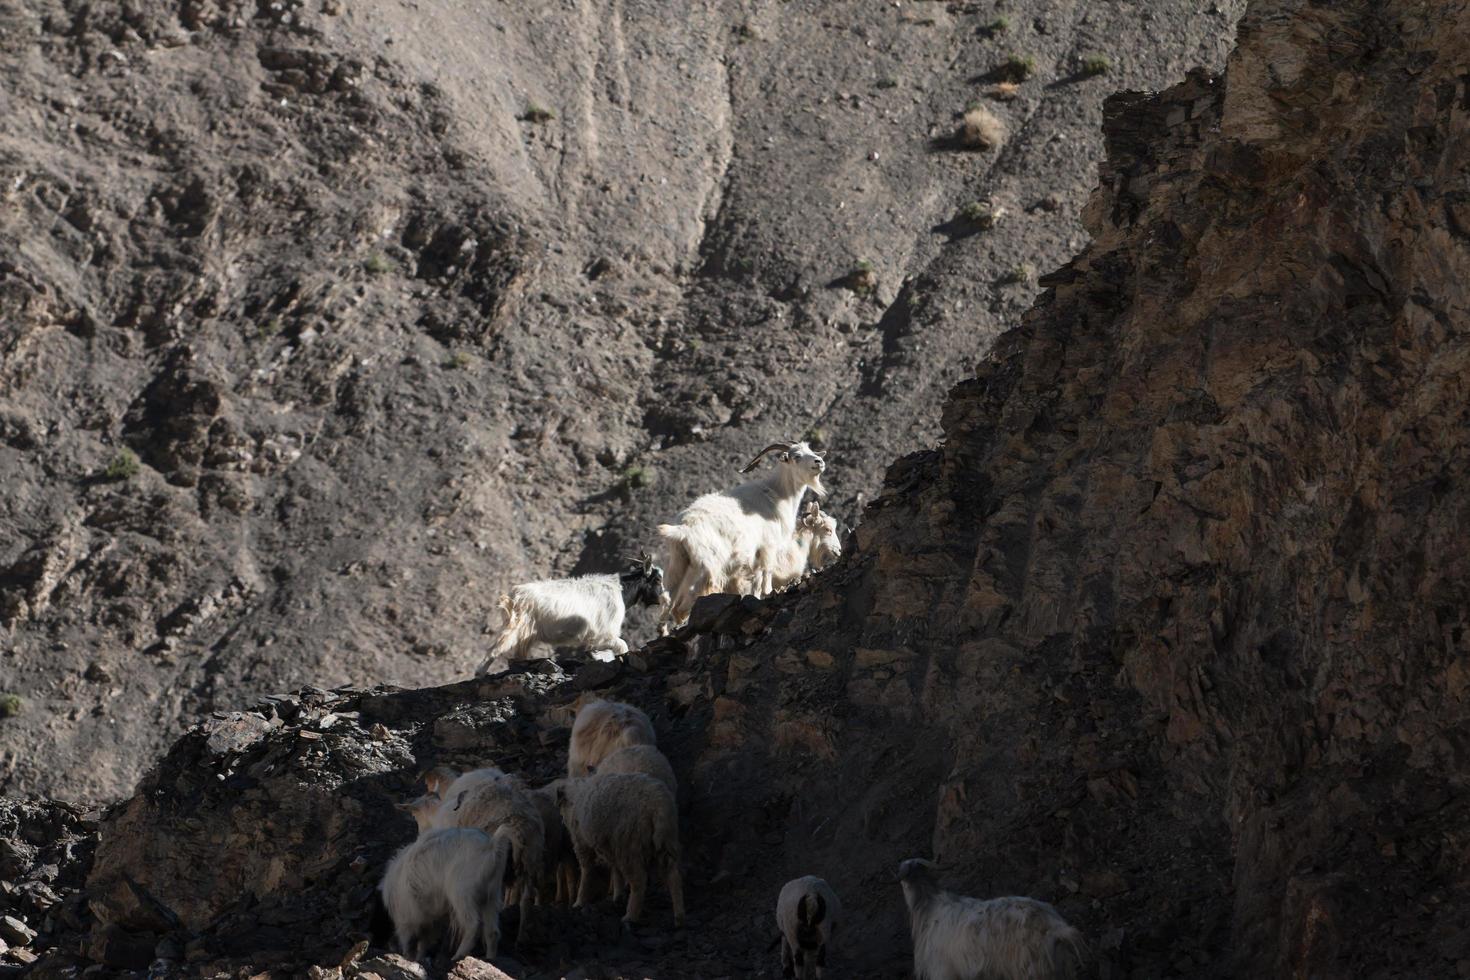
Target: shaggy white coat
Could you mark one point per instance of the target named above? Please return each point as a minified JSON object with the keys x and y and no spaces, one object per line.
{"x":960,"y":938}
{"x":603,"y":727}
{"x":455,"y":874}
{"x":806,"y":914}
{"x":815,"y":545}
{"x":586,"y":612}
{"x":626,"y":821}
{"x":732,"y":534}
{"x":491,"y":801}
{"x":645,"y":759}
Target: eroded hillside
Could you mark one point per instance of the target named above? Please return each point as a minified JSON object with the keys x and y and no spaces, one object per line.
{"x":1170,"y":630}
{"x":397,"y":303}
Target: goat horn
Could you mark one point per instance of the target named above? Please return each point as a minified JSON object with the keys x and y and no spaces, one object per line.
{"x":762,"y":455}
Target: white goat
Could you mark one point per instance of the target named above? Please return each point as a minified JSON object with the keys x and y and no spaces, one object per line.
{"x":806,"y":913}
{"x":815,"y":545}
{"x":585,"y":612}
{"x":492,"y":801}
{"x":956,"y":938}
{"x":458,"y":874}
{"x":724,"y":534}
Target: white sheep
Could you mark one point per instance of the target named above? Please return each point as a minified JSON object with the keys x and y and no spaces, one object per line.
{"x":729,"y":533}
{"x":956,"y":938}
{"x":646,"y":759}
{"x":815,"y":545}
{"x":491,"y":801}
{"x":806,"y":914}
{"x":558,"y":856}
{"x":628,"y":822}
{"x":586,"y":612}
{"x":603,"y":727}
{"x":458,"y":874}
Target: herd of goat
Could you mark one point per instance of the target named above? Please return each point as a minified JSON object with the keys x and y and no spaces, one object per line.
{"x":487,"y":839}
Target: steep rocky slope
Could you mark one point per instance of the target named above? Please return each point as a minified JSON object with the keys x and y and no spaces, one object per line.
{"x":1170,"y":630}
{"x":384,"y":338}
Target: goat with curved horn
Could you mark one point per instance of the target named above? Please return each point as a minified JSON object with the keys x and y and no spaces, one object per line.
{"x":729,"y":539}
{"x":784,"y":447}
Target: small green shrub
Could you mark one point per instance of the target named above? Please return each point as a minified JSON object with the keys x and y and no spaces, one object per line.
{"x":270,"y":327}
{"x":982,"y":214}
{"x":123,"y":466}
{"x":1020,"y":272}
{"x":816,"y":436}
{"x":10,"y":705}
{"x":1018,"y":68}
{"x":457,"y":361}
{"x":863,"y":279}
{"x":378,"y":264}
{"x":637,"y":477}
{"x":998,"y":26}
{"x":537,"y":114}
{"x":1096,"y":65}
{"x":744,"y":32}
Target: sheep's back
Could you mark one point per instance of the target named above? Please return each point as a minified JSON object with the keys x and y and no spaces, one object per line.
{"x":646,"y":760}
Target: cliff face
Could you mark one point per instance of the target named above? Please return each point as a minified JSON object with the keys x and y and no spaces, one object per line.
{"x":1170,"y":630}
{"x":396,"y":304}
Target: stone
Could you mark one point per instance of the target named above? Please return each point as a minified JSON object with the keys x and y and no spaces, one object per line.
{"x":15,"y":932}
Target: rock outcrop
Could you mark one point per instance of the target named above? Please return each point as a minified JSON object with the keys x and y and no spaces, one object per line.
{"x":1170,"y":630}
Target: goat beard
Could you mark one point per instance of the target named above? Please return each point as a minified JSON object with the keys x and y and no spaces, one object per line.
{"x":816,"y":485}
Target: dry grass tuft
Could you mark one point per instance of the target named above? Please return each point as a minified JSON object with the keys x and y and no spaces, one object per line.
{"x":1004,"y":91}
{"x":980,"y":130}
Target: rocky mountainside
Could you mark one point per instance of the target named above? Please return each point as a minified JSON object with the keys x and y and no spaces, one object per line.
{"x":323,"y":322}
{"x":1170,"y":630}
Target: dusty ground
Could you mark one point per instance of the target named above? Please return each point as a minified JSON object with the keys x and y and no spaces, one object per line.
{"x":384,"y":340}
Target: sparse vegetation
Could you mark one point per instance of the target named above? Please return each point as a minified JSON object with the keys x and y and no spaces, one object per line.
{"x":1004,"y":91}
{"x":1018,"y":68}
{"x":863,"y":279}
{"x":1096,"y":65}
{"x":457,"y":361}
{"x":1020,"y":272}
{"x":980,"y":130}
{"x":887,"y":82}
{"x":998,"y":26}
{"x":123,"y":466}
{"x":637,"y":477}
{"x":10,"y":705}
{"x":982,"y":214}
{"x":270,"y":327}
{"x":744,"y":32}
{"x":378,"y":264}
{"x":537,"y":114}
{"x":816,"y":436}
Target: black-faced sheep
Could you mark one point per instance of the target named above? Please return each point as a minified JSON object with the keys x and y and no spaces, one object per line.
{"x":806,"y":914}
{"x":457,"y":874}
{"x":728,"y":534}
{"x":957,"y":938}
{"x":627,"y":822}
{"x":603,"y":727}
{"x":585,"y":612}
